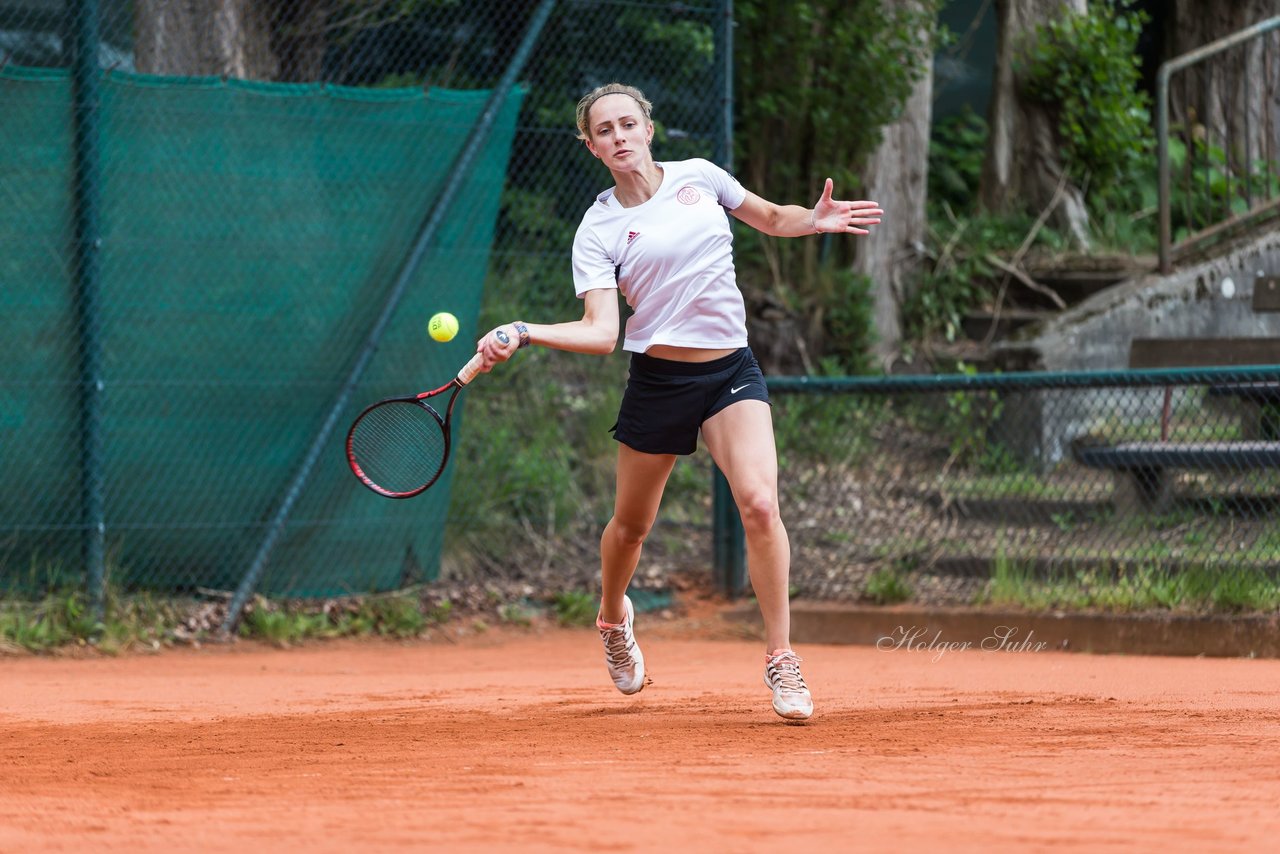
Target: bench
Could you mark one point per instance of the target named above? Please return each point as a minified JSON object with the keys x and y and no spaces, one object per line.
{"x":1147,"y":353}
{"x":1142,"y":468}
{"x":1257,"y":404}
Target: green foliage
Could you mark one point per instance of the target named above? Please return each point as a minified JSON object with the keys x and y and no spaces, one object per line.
{"x":62,"y":616}
{"x":828,"y":430}
{"x":517,"y":614}
{"x":532,"y":220}
{"x":804,"y":59}
{"x":576,"y":608}
{"x":1205,"y":187}
{"x":961,"y":276}
{"x":1086,"y":68}
{"x":283,"y":627}
{"x":799,"y":126}
{"x":1010,"y":581}
{"x":398,"y":614}
{"x":967,"y":418}
{"x":957,"y":146}
{"x":1230,"y":589}
{"x":887,"y":586}
{"x":846,"y":302}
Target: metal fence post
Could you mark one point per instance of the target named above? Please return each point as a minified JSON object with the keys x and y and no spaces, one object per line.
{"x":724,"y":80}
{"x":730,"y":559}
{"x":83,"y":35}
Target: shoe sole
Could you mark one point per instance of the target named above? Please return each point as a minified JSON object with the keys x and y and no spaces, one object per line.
{"x":794,"y":715}
{"x":643,"y":678}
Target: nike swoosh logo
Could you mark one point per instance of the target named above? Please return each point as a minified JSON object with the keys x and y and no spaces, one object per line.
{"x":738,"y":389}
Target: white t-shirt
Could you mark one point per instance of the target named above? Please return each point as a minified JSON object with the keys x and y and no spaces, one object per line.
{"x":672,"y":258}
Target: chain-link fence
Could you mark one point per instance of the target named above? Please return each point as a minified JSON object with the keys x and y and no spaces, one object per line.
{"x":220,"y":236}
{"x":951,"y":480}
{"x":222,"y":230}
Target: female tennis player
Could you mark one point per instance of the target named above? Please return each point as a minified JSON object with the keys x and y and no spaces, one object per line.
{"x":661,"y":236}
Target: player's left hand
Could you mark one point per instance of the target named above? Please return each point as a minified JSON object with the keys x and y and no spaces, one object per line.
{"x":836,"y":217}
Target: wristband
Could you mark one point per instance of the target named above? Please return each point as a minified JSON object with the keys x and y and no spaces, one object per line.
{"x":523,"y":332}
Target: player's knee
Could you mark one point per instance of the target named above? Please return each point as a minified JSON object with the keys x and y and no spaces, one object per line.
{"x":627,"y":533}
{"x":759,"y":510}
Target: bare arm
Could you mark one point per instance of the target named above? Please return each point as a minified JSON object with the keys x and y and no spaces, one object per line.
{"x":827,"y":216}
{"x":595,"y":333}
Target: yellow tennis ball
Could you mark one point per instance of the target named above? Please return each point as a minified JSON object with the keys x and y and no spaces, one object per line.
{"x":443,"y":326}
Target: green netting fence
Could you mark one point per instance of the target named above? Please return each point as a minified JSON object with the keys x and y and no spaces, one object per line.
{"x":197,"y":234}
{"x":249,"y":234}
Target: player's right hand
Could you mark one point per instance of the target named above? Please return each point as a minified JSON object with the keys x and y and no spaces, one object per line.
{"x":498,"y":345}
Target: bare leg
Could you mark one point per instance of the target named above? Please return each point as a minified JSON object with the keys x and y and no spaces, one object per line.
{"x":741,"y":442}
{"x":641,"y":480}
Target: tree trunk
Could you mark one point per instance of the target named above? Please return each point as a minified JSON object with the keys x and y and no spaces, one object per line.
{"x":897,"y":177}
{"x":1022,"y":170}
{"x":223,"y":38}
{"x":282,"y":40}
{"x":1232,"y":100}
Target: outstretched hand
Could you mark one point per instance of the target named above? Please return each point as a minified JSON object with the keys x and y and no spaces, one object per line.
{"x":831,"y":216}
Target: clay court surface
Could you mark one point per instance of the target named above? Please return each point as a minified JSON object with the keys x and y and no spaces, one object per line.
{"x":515,"y":740}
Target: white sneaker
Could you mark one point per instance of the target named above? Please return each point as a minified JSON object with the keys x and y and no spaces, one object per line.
{"x":621,"y":652}
{"x":791,"y":698}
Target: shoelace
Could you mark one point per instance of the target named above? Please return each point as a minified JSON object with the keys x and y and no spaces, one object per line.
{"x":784,"y":673}
{"x":617,"y":645}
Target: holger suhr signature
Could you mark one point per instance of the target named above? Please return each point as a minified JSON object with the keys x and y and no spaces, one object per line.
{"x":1001,"y":639}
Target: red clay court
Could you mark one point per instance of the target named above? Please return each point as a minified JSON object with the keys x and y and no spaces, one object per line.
{"x":516,"y":740}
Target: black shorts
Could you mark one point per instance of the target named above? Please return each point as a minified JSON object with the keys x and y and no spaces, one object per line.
{"x":666,"y":401}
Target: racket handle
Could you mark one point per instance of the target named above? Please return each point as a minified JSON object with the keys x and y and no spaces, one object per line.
{"x":470,"y":369}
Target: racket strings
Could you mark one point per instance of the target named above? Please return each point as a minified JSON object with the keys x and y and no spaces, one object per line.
{"x":400,"y":446}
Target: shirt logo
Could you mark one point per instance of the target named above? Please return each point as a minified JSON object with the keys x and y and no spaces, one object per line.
{"x":738,"y":389}
{"x":688,"y":195}
{"x":632,"y":235}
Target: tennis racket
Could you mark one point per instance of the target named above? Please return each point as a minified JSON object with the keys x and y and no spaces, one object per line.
{"x":398,"y":447}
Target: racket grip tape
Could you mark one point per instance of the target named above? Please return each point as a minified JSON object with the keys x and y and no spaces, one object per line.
{"x":471,"y":368}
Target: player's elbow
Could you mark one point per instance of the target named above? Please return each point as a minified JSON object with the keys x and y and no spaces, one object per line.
{"x":600,"y":338}
{"x":603,"y":345}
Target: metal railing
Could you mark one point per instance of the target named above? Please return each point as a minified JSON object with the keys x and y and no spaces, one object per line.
{"x":1057,"y":472}
{"x":1226,"y":184}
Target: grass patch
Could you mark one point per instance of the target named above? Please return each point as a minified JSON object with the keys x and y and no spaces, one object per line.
{"x":398,"y":614}
{"x":887,"y":586}
{"x":1148,"y":587}
{"x":576,"y":608}
{"x":64,"y":618}
{"x":1013,"y":485}
{"x":517,"y":614}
